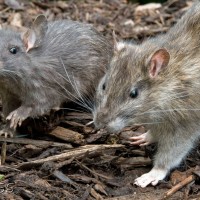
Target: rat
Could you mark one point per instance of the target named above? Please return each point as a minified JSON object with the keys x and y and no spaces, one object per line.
{"x":47,"y":65}
{"x":156,"y":84}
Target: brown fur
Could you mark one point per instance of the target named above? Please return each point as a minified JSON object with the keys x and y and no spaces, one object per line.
{"x":169,"y":104}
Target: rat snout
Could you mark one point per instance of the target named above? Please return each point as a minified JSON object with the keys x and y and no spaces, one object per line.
{"x":100,"y":119}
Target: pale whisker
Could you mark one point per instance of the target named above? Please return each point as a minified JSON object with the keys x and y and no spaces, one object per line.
{"x":74,"y":86}
{"x":77,"y":101}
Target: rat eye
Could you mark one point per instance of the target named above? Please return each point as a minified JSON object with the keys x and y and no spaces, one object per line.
{"x":134,"y":93}
{"x":104,"y":86}
{"x":13,"y":50}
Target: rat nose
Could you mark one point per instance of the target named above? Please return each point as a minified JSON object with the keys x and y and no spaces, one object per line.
{"x":98,"y":126}
{"x":100,"y":119}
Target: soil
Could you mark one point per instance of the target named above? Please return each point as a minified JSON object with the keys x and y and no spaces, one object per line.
{"x":61,"y":156}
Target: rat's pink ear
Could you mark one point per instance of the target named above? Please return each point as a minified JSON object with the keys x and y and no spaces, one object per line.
{"x":29,"y":39}
{"x":159,"y":60}
{"x":32,"y":38}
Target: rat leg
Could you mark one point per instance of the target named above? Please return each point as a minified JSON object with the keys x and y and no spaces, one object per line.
{"x":17,"y":116}
{"x":35,"y":105}
{"x":143,"y":139}
{"x":171,"y":150}
{"x":9,"y":103}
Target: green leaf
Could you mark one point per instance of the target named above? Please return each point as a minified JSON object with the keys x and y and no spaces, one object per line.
{"x":1,"y":177}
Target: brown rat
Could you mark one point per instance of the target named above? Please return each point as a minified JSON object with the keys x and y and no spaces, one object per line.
{"x":51,"y":63}
{"x":156,"y":84}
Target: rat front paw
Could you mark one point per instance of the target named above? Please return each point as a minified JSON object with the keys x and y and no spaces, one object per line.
{"x":17,"y":116}
{"x":143,"y":139}
{"x":6,"y":132}
{"x":153,"y":177}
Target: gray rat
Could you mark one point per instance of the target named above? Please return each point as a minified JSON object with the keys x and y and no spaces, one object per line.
{"x":156,"y":84}
{"x":51,"y":63}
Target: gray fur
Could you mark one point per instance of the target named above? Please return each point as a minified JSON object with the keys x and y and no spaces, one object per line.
{"x":65,"y":64}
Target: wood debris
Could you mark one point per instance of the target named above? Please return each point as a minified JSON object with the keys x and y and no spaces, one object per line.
{"x":62,"y":156}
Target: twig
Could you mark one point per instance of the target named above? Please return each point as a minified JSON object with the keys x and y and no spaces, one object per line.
{"x":180,"y":185}
{"x":4,"y":169}
{"x":58,"y":174}
{"x":38,"y":143}
{"x":93,"y":172}
{"x":5,"y":10}
{"x":3,"y":153}
{"x":78,"y":152}
{"x":66,"y":162}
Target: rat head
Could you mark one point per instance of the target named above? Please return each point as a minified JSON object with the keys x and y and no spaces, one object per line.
{"x":16,"y":48}
{"x":130,"y":89}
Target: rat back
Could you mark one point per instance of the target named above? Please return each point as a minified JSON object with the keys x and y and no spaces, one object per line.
{"x":76,"y":57}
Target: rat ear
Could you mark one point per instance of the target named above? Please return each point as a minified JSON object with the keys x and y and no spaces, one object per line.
{"x":118,"y":46}
{"x":32,"y":38}
{"x":114,"y":41}
{"x":159,"y":60}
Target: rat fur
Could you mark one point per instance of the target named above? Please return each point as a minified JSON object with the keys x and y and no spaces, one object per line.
{"x":156,"y":84}
{"x":51,"y":63}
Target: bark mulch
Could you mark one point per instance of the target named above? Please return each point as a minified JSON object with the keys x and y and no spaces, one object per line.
{"x":61,"y":156}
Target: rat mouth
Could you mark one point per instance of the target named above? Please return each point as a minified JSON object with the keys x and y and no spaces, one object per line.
{"x":115,"y":126}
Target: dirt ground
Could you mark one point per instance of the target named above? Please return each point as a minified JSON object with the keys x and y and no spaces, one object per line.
{"x":62,"y":156}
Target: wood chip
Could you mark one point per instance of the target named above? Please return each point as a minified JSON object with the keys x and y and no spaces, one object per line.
{"x":96,"y":195}
{"x":67,"y":135}
{"x":16,"y":20}
{"x":133,"y":162}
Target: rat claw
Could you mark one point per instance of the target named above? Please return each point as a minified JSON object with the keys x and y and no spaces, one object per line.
{"x":12,"y":118}
{"x":9,"y":117}
{"x":20,"y":122}
{"x":142,"y":140}
{"x":155,"y":182}
{"x":139,"y":140}
{"x":13,"y":122}
{"x":144,"y":144}
{"x":14,"y":125}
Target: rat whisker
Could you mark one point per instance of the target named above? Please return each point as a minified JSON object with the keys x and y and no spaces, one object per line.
{"x":88,"y":101}
{"x":74,"y":87}
{"x":69,"y":79}
{"x":70,"y":95}
{"x":79,"y":94}
{"x":169,"y":110}
{"x":89,"y":123}
{"x":168,"y":99}
{"x":72,"y":109}
{"x":148,"y":123}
